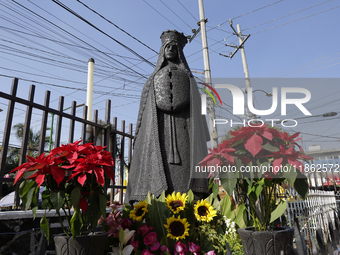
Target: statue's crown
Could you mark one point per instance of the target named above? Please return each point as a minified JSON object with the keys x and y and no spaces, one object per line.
{"x":173,"y":36}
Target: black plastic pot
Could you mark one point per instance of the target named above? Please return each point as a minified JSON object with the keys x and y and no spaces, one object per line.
{"x":93,"y":244}
{"x":267,"y":242}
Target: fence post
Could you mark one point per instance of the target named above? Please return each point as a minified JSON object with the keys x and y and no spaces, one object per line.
{"x":7,"y":131}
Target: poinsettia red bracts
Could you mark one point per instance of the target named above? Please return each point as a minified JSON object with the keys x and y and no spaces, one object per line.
{"x":253,"y":143}
{"x":79,"y":160}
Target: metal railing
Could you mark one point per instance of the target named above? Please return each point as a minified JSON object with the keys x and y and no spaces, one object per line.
{"x":114,"y":139}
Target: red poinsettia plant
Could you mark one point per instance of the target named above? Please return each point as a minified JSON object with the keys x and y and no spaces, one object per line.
{"x":253,"y":164}
{"x":74,"y":177}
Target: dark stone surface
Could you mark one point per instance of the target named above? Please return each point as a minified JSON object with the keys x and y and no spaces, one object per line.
{"x":82,"y":245}
{"x":21,"y":236}
{"x":267,"y":242}
{"x":171,"y":133}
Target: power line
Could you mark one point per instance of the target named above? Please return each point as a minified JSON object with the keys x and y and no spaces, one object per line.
{"x":65,"y":43}
{"x":286,"y":15}
{"x":247,"y":13}
{"x":72,"y":88}
{"x":76,"y":37}
{"x":187,"y":10}
{"x":175,"y":14}
{"x":118,"y":27}
{"x":162,"y":15}
{"x":333,"y":137}
{"x":296,"y":20}
{"x":101,"y":31}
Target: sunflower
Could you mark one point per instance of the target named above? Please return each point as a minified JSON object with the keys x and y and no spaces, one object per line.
{"x":177,"y":228}
{"x":139,"y":212}
{"x":176,"y":202}
{"x":204,"y":211}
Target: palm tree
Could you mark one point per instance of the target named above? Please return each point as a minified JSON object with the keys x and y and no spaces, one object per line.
{"x":33,"y":139}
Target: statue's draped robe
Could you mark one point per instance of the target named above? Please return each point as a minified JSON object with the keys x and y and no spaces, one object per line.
{"x":171,"y":134}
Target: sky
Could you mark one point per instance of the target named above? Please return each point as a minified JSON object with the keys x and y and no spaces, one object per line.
{"x":292,"y":43}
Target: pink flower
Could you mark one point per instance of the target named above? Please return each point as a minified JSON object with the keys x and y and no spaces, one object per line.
{"x":146,"y":252}
{"x":100,"y":220}
{"x":155,"y":246}
{"x":126,"y":223}
{"x":114,"y":224}
{"x":151,"y":238}
{"x":181,"y":249}
{"x":211,"y":253}
{"x":144,"y":229}
{"x":164,"y":248}
{"x":194,"y":248}
{"x":135,"y":244}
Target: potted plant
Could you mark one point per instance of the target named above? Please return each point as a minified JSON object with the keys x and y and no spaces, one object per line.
{"x":172,"y":224}
{"x":74,"y":177}
{"x":253,"y":164}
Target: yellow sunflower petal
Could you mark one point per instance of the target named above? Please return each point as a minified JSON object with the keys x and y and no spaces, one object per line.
{"x":139,"y":211}
{"x":176,"y":202}
{"x":177,"y":228}
{"x":204,"y":211}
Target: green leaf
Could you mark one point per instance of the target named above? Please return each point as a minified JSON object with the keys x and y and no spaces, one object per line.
{"x":75,"y":197}
{"x":291,"y":175}
{"x":45,"y":194}
{"x":102,"y":205}
{"x":158,"y":212}
{"x":301,"y":185}
{"x":162,"y":197}
{"x":121,"y":235}
{"x":34,"y":211}
{"x":216,"y":204}
{"x":241,"y":216}
{"x":25,"y":187}
{"x":44,"y":227}
{"x":93,"y":212}
{"x":148,"y":198}
{"x":270,"y":147}
{"x":229,"y":184}
{"x":279,"y":210}
{"x":227,"y":207}
{"x":259,"y":188}
{"x":215,"y":190}
{"x":211,"y":182}
{"x":57,"y":199}
{"x":28,"y":197}
{"x":45,"y":203}
{"x":190,"y":196}
{"x":76,"y":224}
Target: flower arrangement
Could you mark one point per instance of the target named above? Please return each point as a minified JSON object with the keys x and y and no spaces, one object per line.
{"x":74,"y":177}
{"x":172,"y":224}
{"x":254,"y":161}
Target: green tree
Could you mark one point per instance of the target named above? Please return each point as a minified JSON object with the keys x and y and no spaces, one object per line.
{"x":33,"y":139}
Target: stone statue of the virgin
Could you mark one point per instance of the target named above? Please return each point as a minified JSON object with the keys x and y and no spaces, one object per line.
{"x":171,"y":134}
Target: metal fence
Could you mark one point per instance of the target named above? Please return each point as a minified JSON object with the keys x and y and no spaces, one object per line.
{"x":316,"y":212}
{"x":114,"y":139}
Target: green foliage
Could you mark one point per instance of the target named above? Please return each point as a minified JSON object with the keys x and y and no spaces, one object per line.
{"x":262,"y":159}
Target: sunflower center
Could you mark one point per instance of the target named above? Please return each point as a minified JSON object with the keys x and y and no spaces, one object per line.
{"x":202,"y":211}
{"x":177,"y":228}
{"x":175,"y":204}
{"x":139,"y":212}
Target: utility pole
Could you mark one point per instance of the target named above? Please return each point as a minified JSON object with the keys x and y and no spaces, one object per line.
{"x":241,"y":40}
{"x":89,"y":94}
{"x":207,"y":73}
{"x":245,"y":70}
{"x":243,"y":55}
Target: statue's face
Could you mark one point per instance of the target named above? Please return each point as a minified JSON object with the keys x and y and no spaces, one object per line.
{"x":171,"y":51}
